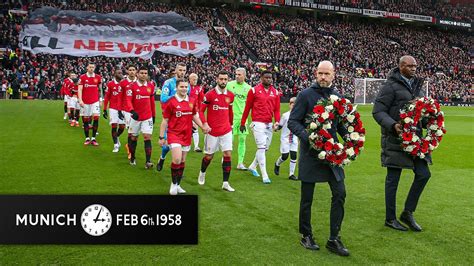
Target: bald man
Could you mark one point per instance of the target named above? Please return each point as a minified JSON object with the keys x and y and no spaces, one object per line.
{"x":311,"y":169}
{"x":401,"y":87}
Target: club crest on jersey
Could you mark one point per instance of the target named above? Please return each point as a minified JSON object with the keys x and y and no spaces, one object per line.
{"x":191,"y":105}
{"x":148,"y":90}
{"x":227,"y":99}
{"x":96,"y":80}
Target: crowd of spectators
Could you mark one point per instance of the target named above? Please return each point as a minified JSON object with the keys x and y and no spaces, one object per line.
{"x":359,"y":50}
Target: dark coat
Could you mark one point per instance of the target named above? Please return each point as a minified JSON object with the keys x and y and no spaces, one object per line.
{"x":391,"y":98}
{"x":310,"y":168}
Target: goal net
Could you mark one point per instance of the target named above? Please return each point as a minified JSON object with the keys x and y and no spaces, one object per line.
{"x":365,"y":90}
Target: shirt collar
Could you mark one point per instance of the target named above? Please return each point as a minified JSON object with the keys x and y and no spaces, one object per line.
{"x":409,"y":81}
{"x":179,"y":99}
{"x":129,"y":80}
{"x":144,"y":84}
{"x":219,"y":92}
{"x":115,"y":81}
{"x":90,"y":76}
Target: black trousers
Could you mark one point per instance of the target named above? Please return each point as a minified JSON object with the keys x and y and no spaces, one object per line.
{"x":422,"y":175}
{"x":338,"y":190}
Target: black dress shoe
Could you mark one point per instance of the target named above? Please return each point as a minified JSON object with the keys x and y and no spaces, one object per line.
{"x":309,"y":243}
{"x":276,"y":170}
{"x":407,"y":218}
{"x":336,"y":246}
{"x":293,"y":177}
{"x":395,"y":225}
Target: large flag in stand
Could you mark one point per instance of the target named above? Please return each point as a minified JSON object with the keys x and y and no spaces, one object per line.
{"x":135,"y":34}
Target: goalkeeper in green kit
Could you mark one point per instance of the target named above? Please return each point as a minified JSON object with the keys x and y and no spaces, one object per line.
{"x":239,"y":88}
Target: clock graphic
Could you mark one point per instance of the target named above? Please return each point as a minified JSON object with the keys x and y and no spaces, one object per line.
{"x":96,"y":220}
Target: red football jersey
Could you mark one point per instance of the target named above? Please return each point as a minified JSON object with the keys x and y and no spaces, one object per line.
{"x":124,"y":84}
{"x":179,"y":113}
{"x":66,"y":88}
{"x":90,"y":88}
{"x":141,"y":99}
{"x":113,"y":95}
{"x":219,"y":111}
{"x":265,"y":105}
{"x":74,"y":89}
{"x":197,"y":92}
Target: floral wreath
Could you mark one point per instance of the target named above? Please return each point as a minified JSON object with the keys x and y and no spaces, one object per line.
{"x":427,"y":111}
{"x":324,"y":113}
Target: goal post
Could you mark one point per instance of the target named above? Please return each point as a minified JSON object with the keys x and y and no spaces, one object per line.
{"x":366,"y":89}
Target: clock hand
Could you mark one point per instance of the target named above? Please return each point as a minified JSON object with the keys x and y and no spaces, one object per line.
{"x":97,"y":218}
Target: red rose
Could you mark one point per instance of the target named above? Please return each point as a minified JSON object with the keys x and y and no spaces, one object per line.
{"x":403,"y":115}
{"x":318,"y":109}
{"x":340,"y":110}
{"x":419,"y":105}
{"x":343,"y":101}
{"x":331,"y":116}
{"x":328,"y":146}
{"x":336,"y":104}
{"x":406,"y":136}
{"x":349,"y":107}
{"x":357,"y":115}
{"x":360,"y":144}
{"x":410,"y":114}
{"x":356,"y":150}
{"x":320,"y":119}
{"x":319,"y":144}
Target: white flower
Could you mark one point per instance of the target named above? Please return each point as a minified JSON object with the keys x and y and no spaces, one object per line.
{"x":439,"y":132}
{"x":313,"y":125}
{"x":409,"y":148}
{"x":431,"y":147}
{"x":312,"y":136}
{"x":329,"y":108}
{"x":346,"y":161}
{"x":340,"y":145}
{"x":362,"y":138}
{"x":347,"y":101}
{"x":322,"y":155}
{"x":354,"y":136}
{"x":422,"y":156}
{"x":331,"y":140}
{"x":434,"y":127}
{"x":327,"y":125}
{"x":350,"y":151}
{"x":350,"y":118}
{"x":407,"y":120}
{"x":350,"y":129}
{"x":411,"y":107}
{"x":442,"y":124}
{"x":415,"y":138}
{"x":333,"y":98}
{"x":325,"y":115}
{"x":428,"y":138}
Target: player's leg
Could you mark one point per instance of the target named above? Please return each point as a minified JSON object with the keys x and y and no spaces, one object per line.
{"x":262,"y":147}
{"x":95,"y":124}
{"x":77,"y":111}
{"x":65,"y":106}
{"x":113,"y":121}
{"x":133,"y":132}
{"x":164,"y":150}
{"x":283,"y":157}
{"x":225,"y":143}
{"x":210,"y":143}
{"x":241,"y":140}
{"x":85,"y":113}
{"x":293,"y":157}
{"x":196,"y":138}
{"x":185,"y":151}
{"x":176,"y":156}
{"x":147,"y":130}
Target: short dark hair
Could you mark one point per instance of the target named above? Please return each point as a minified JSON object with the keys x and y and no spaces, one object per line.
{"x":131,"y":65}
{"x":181,"y":64}
{"x":264,"y":72}
{"x":143,"y":67}
{"x":223,"y":72}
{"x":179,"y":81}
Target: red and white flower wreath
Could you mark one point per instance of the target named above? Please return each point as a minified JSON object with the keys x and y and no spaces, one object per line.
{"x":324,"y":113}
{"x":427,"y":111}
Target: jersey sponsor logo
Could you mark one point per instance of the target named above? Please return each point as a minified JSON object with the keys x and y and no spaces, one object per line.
{"x":217,"y":107}
{"x":179,"y":113}
{"x":138,"y":97}
{"x":89,"y":85}
{"x":240,"y":96}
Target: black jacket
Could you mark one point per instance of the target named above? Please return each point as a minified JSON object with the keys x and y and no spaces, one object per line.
{"x":391,"y":98}
{"x":310,"y":168}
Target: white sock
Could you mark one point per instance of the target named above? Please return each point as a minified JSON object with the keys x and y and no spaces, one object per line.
{"x":292,"y":167}
{"x":279,"y":161}
{"x":196,"y":139}
{"x":253,"y":165}
{"x":262,"y":162}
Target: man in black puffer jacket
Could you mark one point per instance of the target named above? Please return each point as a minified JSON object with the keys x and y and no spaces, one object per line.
{"x":401,"y":87}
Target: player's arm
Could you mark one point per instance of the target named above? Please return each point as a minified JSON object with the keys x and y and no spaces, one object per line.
{"x":163,"y":126}
{"x":153,"y":107}
{"x":165,"y":92}
{"x":231,"y":113}
{"x":248,"y":106}
{"x":276,"y":110}
{"x":283,"y":121}
{"x":202,"y":109}
{"x":107,"y":97}
{"x":79,"y":92}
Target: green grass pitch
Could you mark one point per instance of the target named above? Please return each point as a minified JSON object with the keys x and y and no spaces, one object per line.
{"x":258,"y":224}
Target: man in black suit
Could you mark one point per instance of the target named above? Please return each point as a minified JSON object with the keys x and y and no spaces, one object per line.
{"x":313,"y":170}
{"x":402,"y":86}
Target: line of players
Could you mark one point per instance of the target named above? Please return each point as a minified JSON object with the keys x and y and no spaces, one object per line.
{"x":221,"y":113}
